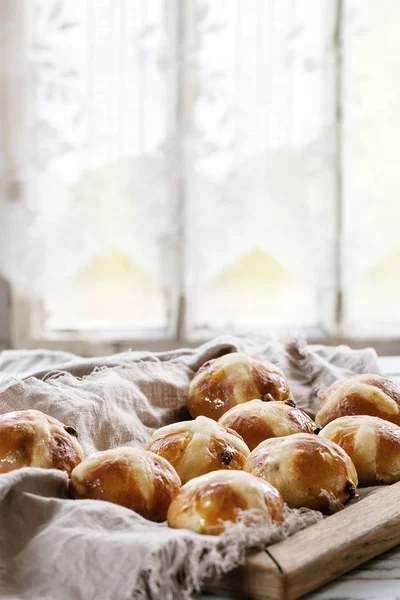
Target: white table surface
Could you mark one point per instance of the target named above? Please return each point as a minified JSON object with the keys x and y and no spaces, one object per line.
{"x":377,"y":579}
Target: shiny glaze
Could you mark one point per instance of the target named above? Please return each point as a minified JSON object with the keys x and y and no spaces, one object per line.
{"x":131,"y":477}
{"x":372,"y":443}
{"x":232,"y":379}
{"x":30,"y":438}
{"x":367,"y":394}
{"x":198,"y":447}
{"x":308,"y":470}
{"x":257,"y":421}
{"x":206,"y":503}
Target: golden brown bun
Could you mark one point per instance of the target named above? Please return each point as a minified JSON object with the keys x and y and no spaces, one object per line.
{"x":257,"y":421}
{"x":232,"y":379}
{"x":204,"y":503}
{"x":197,"y":447}
{"x":361,"y":395}
{"x":372,"y":443}
{"x":307,"y":470}
{"x":131,"y":477}
{"x":29,"y":438}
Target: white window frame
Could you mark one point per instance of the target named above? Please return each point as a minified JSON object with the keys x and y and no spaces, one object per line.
{"x":25,"y":327}
{"x":27,"y":331}
{"x":27,"y":318}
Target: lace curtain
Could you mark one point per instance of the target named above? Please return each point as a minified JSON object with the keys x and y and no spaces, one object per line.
{"x":371,"y":130}
{"x":180,"y":132}
{"x":88,"y":112}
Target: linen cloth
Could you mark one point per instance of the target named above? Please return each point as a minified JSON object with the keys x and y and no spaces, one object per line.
{"x":52,"y":547}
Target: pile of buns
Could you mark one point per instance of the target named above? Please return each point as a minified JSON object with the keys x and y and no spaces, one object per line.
{"x":247,"y":448}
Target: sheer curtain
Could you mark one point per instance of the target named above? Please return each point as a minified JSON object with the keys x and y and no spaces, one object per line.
{"x":263,"y":141}
{"x":108,"y":105}
{"x":88,"y":113}
{"x":180,"y":132}
{"x":371,"y":130}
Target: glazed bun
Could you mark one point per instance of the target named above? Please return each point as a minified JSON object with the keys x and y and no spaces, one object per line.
{"x":361,"y":395}
{"x":197,"y":447}
{"x":372,"y":443}
{"x":206,"y":502}
{"x":232,"y":379}
{"x":307,"y":470}
{"x":257,"y":421}
{"x":131,"y":477}
{"x":29,"y":438}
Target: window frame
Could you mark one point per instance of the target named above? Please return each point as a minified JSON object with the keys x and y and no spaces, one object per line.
{"x":25,"y":332}
{"x":26,"y":319}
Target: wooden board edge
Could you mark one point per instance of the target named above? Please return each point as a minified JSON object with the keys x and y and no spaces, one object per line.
{"x":320,"y":553}
{"x":260,"y":574}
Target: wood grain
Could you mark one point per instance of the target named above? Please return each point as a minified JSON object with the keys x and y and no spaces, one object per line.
{"x":322,"y":552}
{"x":339,"y":543}
{"x":260,"y":575}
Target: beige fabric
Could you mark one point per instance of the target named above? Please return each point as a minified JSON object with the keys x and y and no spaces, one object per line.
{"x":52,"y":547}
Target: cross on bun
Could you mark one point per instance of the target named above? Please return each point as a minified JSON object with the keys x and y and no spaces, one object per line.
{"x":205,"y":503}
{"x":197,"y":447}
{"x":257,"y":421}
{"x":307,"y":470}
{"x":29,"y":438}
{"x":232,"y":379}
{"x":372,"y":395}
{"x":373,"y":445}
{"x":131,"y":477}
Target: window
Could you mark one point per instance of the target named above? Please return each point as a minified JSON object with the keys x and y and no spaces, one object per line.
{"x":198,"y":170}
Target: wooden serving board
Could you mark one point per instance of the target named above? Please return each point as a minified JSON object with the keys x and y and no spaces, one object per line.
{"x":322,"y":552}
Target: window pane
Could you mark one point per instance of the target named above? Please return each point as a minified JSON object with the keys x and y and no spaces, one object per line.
{"x":261,"y":186}
{"x":371,"y":175}
{"x":254,"y":101}
{"x":104,"y":113}
{"x":372,"y":306}
{"x":111,"y":291}
{"x":256,"y":292}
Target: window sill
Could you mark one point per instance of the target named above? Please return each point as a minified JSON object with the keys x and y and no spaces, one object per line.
{"x":102,"y":343}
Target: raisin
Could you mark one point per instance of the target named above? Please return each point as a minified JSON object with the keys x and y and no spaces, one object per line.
{"x":71,"y":431}
{"x":350,"y":489}
{"x":227,"y":456}
{"x":291,"y":403}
